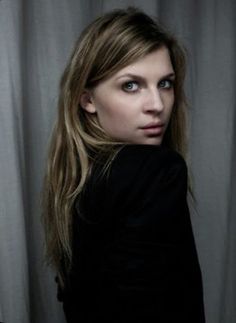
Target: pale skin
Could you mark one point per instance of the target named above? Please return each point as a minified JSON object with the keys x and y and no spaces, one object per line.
{"x":135,"y":104}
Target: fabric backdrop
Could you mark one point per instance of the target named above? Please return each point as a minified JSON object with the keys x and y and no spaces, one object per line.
{"x":36,"y":38}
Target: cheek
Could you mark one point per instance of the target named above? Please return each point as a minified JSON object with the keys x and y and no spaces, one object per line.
{"x":170,"y":100}
{"x":169,"y":106}
{"x":114,"y":108}
{"x":109,"y":113}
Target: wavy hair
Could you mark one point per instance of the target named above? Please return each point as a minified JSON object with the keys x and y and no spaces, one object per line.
{"x":108,"y":44}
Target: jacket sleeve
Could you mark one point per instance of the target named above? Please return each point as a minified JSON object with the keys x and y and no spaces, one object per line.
{"x":150,"y":269}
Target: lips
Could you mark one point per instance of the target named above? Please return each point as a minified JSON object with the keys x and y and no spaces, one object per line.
{"x":153,"y":129}
{"x":153,"y":125}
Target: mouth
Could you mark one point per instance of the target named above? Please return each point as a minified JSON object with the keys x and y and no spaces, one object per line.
{"x":153,"y":129}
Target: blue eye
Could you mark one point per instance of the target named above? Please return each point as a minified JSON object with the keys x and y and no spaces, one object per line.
{"x":130,"y":86}
{"x":166,"y":84}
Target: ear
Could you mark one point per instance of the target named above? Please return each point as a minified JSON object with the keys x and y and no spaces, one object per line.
{"x":86,"y":102}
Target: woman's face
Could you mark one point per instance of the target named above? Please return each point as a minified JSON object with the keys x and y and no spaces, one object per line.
{"x":134,"y":105}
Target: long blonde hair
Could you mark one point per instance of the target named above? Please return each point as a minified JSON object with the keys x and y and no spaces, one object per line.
{"x":108,"y":44}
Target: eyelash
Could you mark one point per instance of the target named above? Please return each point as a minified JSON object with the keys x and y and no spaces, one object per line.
{"x":125,"y":86}
{"x":171,"y":84}
{"x":168,"y":87}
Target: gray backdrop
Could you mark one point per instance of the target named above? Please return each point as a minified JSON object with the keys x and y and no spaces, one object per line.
{"x":36,"y":38}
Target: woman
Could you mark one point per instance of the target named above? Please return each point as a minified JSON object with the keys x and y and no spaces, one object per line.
{"x":117,"y":224}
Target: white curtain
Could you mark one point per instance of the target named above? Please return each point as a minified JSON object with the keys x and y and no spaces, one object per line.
{"x":36,"y":38}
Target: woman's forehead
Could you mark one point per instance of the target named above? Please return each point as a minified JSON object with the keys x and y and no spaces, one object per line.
{"x":156,"y":62}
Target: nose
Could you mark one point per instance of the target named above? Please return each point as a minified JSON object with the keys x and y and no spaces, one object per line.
{"x":154,"y":102}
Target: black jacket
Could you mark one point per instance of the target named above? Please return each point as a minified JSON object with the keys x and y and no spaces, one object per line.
{"x":134,"y":256}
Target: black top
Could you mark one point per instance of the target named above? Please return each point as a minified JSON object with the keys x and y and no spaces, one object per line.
{"x":134,"y":256}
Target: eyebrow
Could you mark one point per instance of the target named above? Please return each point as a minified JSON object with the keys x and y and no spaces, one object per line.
{"x":131,"y":75}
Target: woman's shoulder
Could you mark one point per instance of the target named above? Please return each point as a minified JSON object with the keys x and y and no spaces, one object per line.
{"x":135,"y":169}
{"x":145,"y":168}
{"x":134,"y":157}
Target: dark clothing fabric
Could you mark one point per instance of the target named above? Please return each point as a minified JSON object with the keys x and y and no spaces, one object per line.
{"x":134,"y":256}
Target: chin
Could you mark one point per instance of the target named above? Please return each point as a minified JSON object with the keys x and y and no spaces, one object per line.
{"x":149,"y":141}
{"x":153,"y":141}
